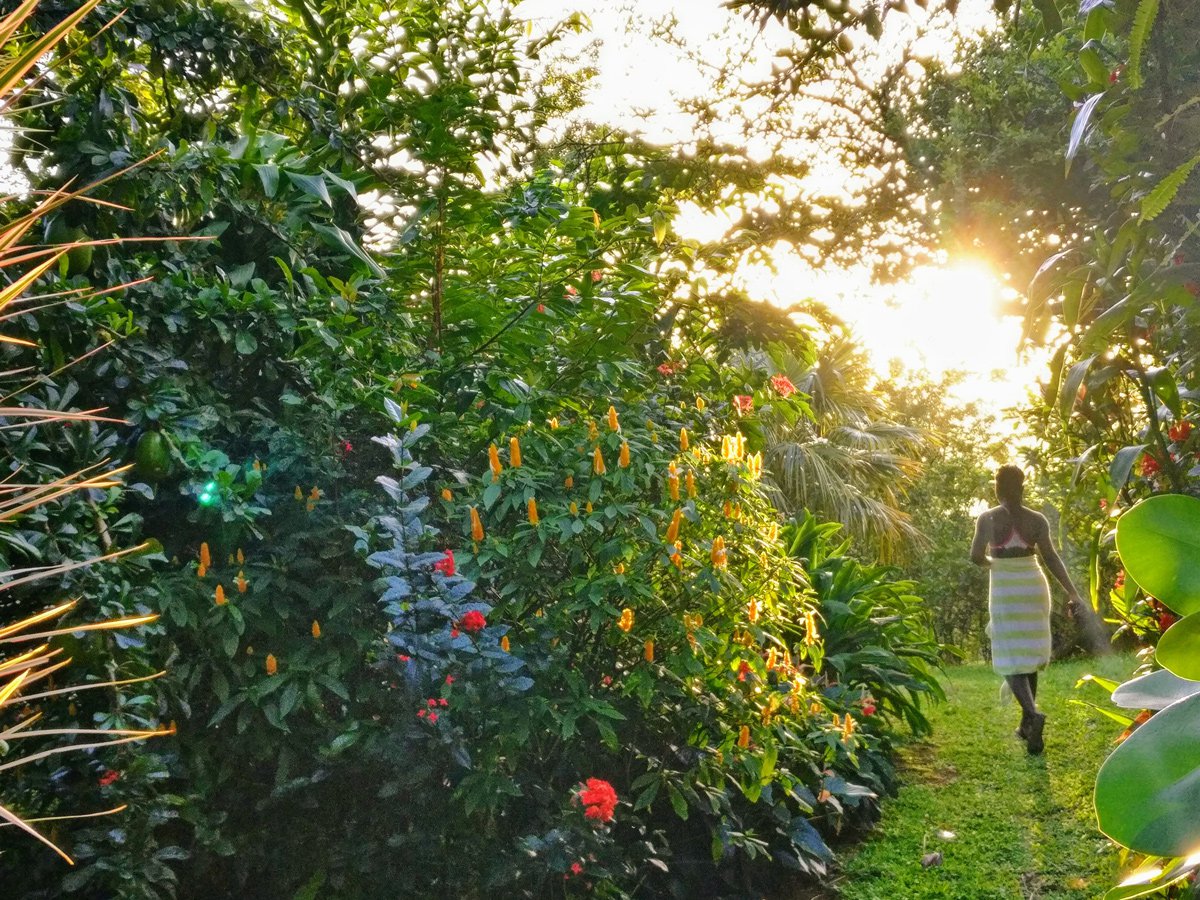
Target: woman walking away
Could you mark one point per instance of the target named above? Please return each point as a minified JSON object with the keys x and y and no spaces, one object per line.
{"x":1019,"y":596}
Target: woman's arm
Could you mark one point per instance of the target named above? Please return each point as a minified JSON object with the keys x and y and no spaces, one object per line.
{"x":1045,"y":546}
{"x":979,"y":545}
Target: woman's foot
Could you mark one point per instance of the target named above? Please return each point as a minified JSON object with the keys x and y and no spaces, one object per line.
{"x":1022,"y":731}
{"x":1033,"y":734}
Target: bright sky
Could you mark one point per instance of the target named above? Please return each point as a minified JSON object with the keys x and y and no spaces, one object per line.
{"x":944,"y":317}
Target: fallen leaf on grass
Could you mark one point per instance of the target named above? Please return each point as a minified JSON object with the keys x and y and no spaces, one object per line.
{"x":929,"y":860}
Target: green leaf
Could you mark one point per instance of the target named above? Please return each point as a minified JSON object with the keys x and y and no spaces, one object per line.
{"x":343,"y":241}
{"x":677,"y":801}
{"x":1080,"y":126}
{"x":313,"y":185}
{"x":1147,"y":791}
{"x":1093,"y":64}
{"x":269,"y":176}
{"x":1179,"y":647}
{"x":1051,"y":19}
{"x":1159,"y":544}
{"x":1122,"y":464}
{"x":1071,"y":385}
{"x":1139,"y":34}
{"x":245,"y":343}
{"x":1158,"y":690}
{"x":1163,"y":195}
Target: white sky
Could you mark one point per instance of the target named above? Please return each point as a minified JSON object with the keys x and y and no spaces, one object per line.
{"x":945,"y":317}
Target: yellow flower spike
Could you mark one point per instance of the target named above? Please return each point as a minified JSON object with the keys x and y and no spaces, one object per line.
{"x":514,"y":452}
{"x":700,"y":404}
{"x":593,"y":431}
{"x":814,"y":708}
{"x":772,"y":658}
{"x":494,"y":462}
{"x":837,"y":721}
{"x":241,"y":557}
{"x":690,"y":481}
{"x":743,"y":740}
{"x":538,"y":613}
{"x":598,"y":462}
{"x":553,"y":423}
{"x":673,"y":486}
{"x":619,"y":569}
{"x":447,"y":494}
{"x":613,"y":424}
{"x":241,"y":582}
{"x":623,"y":459}
{"x":476,"y":525}
{"x":787,"y":659}
{"x":219,"y":596}
{"x":794,"y":704}
{"x":847,"y":727}
{"x":574,"y":508}
{"x":588,"y":507}
{"x":257,"y":466}
{"x":648,"y":651}
{"x":531,"y":506}
{"x":297,"y":493}
{"x":754,"y":465}
{"x":505,"y":645}
{"x":201,"y":570}
{"x":672,"y":469}
{"x":205,"y":556}
{"x":569,"y":482}
{"x":673,"y":528}
{"x":683,"y":440}
{"x":625,"y":623}
{"x":316,"y":629}
{"x":766,"y":715}
{"x":315,"y":493}
{"x":677,"y":556}
{"x":230,"y":560}
{"x":752,"y":611}
{"x":718,"y":555}
{"x":272,"y":664}
{"x":762,"y":559}
{"x":72,"y":709}
{"x":810,"y":628}
{"x":728,"y":509}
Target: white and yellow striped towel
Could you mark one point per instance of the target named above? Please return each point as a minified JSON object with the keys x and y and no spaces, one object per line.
{"x":1019,"y":605}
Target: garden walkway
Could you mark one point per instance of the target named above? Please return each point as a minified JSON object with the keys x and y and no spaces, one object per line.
{"x":1007,"y":826}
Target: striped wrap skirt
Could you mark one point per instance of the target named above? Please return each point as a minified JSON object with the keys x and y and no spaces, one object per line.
{"x":1019,"y":607}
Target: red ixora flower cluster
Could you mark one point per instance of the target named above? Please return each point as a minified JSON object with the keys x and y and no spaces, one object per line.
{"x":599,"y":800}
{"x":868,"y":706}
{"x":1149,"y":466}
{"x":743,"y":403}
{"x":445,"y":565}
{"x":109,"y":776}
{"x":1180,"y":432}
{"x":473,"y":622}
{"x":783,"y":385}
{"x":666,"y":369}
{"x":344,"y":449}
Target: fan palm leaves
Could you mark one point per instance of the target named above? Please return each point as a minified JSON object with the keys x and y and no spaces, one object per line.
{"x":33,"y":658}
{"x":847,"y":463}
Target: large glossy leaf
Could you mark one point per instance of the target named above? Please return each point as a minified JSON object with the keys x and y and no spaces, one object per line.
{"x":1179,"y":648}
{"x":1122,"y":465}
{"x":1158,"y":690}
{"x":1080,"y":126}
{"x":1148,"y":790}
{"x":1159,"y":543}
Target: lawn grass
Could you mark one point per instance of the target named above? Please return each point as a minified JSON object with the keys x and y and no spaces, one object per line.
{"x":1023,"y":826}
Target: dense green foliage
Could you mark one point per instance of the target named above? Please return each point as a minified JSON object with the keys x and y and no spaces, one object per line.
{"x":347,"y":227}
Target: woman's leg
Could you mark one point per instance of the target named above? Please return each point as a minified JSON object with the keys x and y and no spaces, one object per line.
{"x":1033,"y":679}
{"x":1023,"y":691}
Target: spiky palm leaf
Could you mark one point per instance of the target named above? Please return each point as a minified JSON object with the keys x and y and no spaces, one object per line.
{"x":19,"y":671}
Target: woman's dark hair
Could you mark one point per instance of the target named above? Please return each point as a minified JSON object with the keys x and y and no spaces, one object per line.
{"x":1010,"y":485}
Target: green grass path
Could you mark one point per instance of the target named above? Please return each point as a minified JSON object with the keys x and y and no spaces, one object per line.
{"x":1023,"y":827}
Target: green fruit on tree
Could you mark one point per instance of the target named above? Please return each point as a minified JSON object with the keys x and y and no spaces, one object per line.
{"x":152,"y":456}
{"x":79,"y":259}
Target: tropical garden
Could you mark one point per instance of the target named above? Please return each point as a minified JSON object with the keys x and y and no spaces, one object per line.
{"x":402,"y":496}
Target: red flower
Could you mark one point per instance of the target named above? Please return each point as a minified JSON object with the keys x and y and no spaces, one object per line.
{"x":108,"y":777}
{"x":606,"y":680}
{"x":1180,"y":432}
{"x":576,"y":868}
{"x":445,"y":565}
{"x":432,"y":701}
{"x":400,"y":657}
{"x":666,"y":369}
{"x":345,"y":448}
{"x":743,"y":670}
{"x":454,"y":631}
{"x":449,"y":679}
{"x":541,"y":307}
{"x":1149,"y":466}
{"x":571,"y":291}
{"x":443,"y":702}
{"x":420,"y":713}
{"x":868,"y":709}
{"x":1120,"y":582}
{"x":783,"y":385}
{"x":1166,"y":620}
{"x":433,"y":717}
{"x":743,"y":403}
{"x":473,"y":622}
{"x":599,"y":798}
{"x":597,"y":274}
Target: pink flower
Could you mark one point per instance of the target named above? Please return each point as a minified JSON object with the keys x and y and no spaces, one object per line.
{"x":743,"y":403}
{"x":420,"y":713}
{"x":597,"y":274}
{"x":345,"y":448}
{"x":432,"y":701}
{"x":445,"y":565}
{"x":576,"y":868}
{"x":541,"y":307}
{"x":400,"y":657}
{"x":449,"y":679}
{"x":606,"y":680}
{"x":443,"y":702}
{"x":571,"y":291}
{"x":109,"y":776}
{"x":473,"y":622}
{"x":783,"y":385}
{"x":666,"y":369}
{"x":433,"y":717}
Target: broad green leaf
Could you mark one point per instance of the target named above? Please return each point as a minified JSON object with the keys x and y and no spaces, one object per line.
{"x":342,"y":240}
{"x":1051,"y":18}
{"x":1158,"y":690}
{"x":1080,"y":126}
{"x":1071,"y":385}
{"x":1122,"y":465}
{"x":269,"y":176}
{"x":1179,"y":647}
{"x":1148,"y":790}
{"x":1159,"y":544}
{"x":1093,"y":63}
{"x":313,"y":185}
